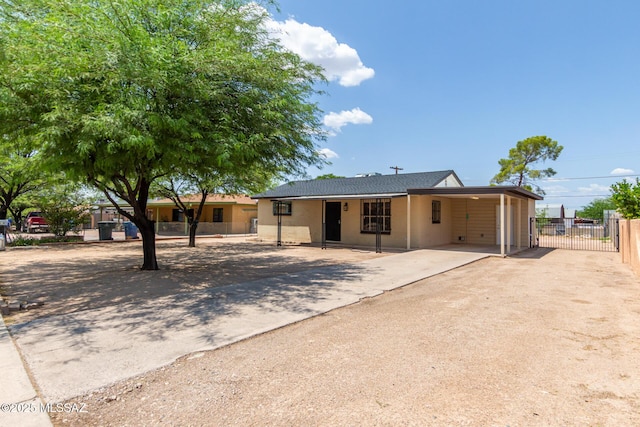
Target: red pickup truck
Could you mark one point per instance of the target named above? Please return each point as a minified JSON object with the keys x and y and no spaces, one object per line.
{"x":34,"y":221}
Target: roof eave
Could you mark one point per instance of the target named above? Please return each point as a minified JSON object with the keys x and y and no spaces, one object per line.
{"x":496,"y":190}
{"x":336,"y":196}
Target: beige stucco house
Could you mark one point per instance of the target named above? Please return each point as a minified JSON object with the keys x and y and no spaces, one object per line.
{"x":408,"y":211}
{"x":222,"y":214}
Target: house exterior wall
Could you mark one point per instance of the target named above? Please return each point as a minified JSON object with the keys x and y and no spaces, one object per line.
{"x":463,"y":220}
{"x":304,"y":225}
{"x":475,"y":222}
{"x":450,"y":181}
{"x":230,"y":212}
{"x":236,"y":219}
{"x":239,"y":216}
{"x":424,"y":233}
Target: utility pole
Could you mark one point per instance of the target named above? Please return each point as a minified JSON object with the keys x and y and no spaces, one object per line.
{"x":396,"y":168}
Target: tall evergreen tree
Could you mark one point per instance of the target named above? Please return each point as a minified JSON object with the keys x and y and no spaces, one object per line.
{"x":517,"y":168}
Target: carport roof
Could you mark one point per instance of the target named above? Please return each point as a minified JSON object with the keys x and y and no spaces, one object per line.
{"x":487,"y":191}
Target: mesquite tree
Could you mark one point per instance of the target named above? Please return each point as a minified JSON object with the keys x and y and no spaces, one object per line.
{"x":120,"y":94}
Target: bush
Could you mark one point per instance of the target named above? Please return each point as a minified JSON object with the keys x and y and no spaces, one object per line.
{"x":30,"y":241}
{"x":626,"y":197}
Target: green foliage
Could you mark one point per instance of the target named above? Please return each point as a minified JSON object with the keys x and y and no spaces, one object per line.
{"x":118,"y":94}
{"x":595,"y":209}
{"x":63,"y":217}
{"x":542,"y":218}
{"x":328,"y":176}
{"x":30,"y":241}
{"x":23,"y":241}
{"x":20,"y":172}
{"x":626,"y":197}
{"x":65,"y":209}
{"x":517,"y":168}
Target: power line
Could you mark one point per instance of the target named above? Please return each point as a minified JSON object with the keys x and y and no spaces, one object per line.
{"x":589,"y":177}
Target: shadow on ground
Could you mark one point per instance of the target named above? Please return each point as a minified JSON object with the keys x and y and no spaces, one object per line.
{"x":105,"y":320}
{"x":104,"y":275}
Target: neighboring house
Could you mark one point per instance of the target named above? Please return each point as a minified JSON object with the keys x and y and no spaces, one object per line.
{"x":408,"y":211}
{"x":548,"y":210}
{"x":222,"y":214}
{"x":555,"y":219}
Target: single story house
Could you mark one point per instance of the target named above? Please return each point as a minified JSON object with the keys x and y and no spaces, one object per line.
{"x":407,"y":211}
{"x":222,"y":214}
{"x":548,"y":210}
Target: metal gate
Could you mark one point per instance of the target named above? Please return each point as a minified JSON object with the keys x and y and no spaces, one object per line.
{"x":576,"y":234}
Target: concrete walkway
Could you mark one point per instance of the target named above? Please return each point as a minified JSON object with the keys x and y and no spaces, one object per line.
{"x":19,"y":403}
{"x":72,"y":354}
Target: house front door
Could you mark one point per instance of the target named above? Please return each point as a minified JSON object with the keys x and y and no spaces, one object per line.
{"x":332,"y":220}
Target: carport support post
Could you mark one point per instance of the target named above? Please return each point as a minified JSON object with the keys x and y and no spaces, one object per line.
{"x":519,"y":225}
{"x":378,"y":227}
{"x":509,"y":225}
{"x":502,"y":225}
{"x":408,"y":221}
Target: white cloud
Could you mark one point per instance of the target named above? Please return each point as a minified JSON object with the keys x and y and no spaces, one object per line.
{"x":622,"y":171}
{"x":594,"y":189}
{"x":355,"y":116}
{"x":315,"y":44}
{"x":327,"y":153}
{"x":555,"y":190}
{"x":556,"y":179}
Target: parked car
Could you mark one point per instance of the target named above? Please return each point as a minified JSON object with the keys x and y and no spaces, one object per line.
{"x":34,"y":221}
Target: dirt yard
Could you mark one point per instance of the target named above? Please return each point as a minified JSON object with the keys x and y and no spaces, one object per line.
{"x":81,"y":277}
{"x":541,"y":338}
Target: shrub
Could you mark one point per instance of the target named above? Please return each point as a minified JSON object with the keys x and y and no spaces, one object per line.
{"x":30,"y":241}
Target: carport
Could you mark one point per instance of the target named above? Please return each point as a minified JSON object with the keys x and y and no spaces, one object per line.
{"x":484,"y":215}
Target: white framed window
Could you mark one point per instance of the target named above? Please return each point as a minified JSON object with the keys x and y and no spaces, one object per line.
{"x":373,"y":212}
{"x":283,"y":207}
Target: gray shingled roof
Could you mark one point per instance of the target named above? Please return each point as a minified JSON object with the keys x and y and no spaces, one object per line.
{"x":376,"y":184}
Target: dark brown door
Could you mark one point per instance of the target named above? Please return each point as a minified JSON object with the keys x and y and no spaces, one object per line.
{"x":332,"y":220}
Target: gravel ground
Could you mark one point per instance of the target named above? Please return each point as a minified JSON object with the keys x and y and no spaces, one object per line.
{"x":542,"y":338}
{"x":75,"y":277}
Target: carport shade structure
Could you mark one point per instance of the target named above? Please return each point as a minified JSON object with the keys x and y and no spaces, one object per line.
{"x":505,"y":193}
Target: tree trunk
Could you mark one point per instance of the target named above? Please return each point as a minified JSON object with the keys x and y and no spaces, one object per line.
{"x":148,"y":233}
{"x":3,"y":212}
{"x":193,"y":221}
{"x":136,"y":196}
{"x":193,"y":226}
{"x":16,"y":212}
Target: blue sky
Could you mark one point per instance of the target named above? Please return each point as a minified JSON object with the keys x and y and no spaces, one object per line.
{"x":433,"y":85}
